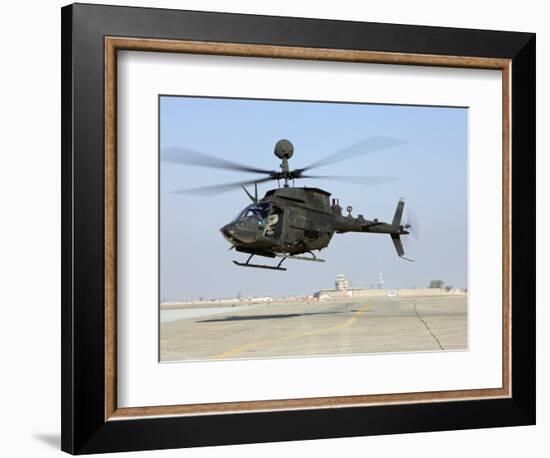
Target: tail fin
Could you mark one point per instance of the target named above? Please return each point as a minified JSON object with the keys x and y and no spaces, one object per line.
{"x":397,"y":244}
{"x":396,"y":225}
{"x":398,"y":214}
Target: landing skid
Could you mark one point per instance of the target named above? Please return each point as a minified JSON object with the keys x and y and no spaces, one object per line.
{"x":301,"y":258}
{"x":278,"y":266}
{"x":260,"y":266}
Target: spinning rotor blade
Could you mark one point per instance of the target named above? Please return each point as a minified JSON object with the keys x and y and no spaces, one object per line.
{"x":412,"y":222}
{"x":219,"y":188}
{"x":186,"y":156}
{"x":411,"y":225}
{"x":364,"y":180}
{"x":368,"y":146}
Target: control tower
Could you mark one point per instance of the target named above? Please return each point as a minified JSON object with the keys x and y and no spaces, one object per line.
{"x":341,"y":284}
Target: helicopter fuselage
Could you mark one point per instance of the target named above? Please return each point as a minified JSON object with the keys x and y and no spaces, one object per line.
{"x":290,"y":221}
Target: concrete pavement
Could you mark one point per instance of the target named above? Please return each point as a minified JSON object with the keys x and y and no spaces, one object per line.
{"x":374,"y":325}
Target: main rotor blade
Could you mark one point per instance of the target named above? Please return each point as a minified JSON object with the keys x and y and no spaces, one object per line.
{"x":364,"y":180}
{"x":368,"y":146}
{"x":219,"y":188}
{"x":186,"y":156}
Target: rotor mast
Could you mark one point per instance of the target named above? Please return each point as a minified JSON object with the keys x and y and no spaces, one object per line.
{"x":285,"y":171}
{"x":284,"y":151}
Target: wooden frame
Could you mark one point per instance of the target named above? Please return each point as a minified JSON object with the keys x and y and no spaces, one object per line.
{"x":91,"y":421}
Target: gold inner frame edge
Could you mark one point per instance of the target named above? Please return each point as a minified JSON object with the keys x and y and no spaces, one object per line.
{"x":114,"y":44}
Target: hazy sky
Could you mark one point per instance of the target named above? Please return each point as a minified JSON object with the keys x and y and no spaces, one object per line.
{"x":194,"y":257}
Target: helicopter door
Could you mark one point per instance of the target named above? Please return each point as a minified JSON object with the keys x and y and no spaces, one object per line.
{"x":274,"y":226}
{"x":295,"y":225}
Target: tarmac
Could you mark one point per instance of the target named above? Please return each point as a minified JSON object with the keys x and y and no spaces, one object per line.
{"x":287,"y":329}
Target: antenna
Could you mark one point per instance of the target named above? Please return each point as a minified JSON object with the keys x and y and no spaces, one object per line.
{"x":380,"y":280}
{"x":254,"y":198}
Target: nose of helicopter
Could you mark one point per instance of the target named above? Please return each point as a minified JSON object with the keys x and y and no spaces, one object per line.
{"x":237,"y":234}
{"x":228,"y":232}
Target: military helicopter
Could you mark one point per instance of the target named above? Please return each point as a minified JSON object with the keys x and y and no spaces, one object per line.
{"x":291,"y":222}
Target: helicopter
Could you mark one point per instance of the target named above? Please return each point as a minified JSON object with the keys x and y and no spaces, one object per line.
{"x":292,"y":222}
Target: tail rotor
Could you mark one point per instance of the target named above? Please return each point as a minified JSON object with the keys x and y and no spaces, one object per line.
{"x":411,"y":225}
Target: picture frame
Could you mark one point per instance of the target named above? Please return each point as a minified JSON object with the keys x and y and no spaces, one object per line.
{"x":92,"y":35}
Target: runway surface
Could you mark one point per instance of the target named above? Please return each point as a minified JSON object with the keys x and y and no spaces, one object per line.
{"x":371,"y":325}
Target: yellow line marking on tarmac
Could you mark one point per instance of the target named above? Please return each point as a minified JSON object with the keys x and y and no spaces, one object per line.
{"x":251,"y":345}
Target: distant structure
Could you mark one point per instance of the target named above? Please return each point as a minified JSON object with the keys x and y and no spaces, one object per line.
{"x":343,"y":291}
{"x":341,"y":284}
{"x":380,"y":281}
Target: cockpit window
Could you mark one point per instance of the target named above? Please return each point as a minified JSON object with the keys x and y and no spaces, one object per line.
{"x":259,"y":211}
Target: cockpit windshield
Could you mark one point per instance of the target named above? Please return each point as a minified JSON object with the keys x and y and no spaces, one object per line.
{"x":259,"y":211}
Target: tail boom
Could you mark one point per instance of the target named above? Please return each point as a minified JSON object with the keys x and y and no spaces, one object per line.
{"x":395,"y":229}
